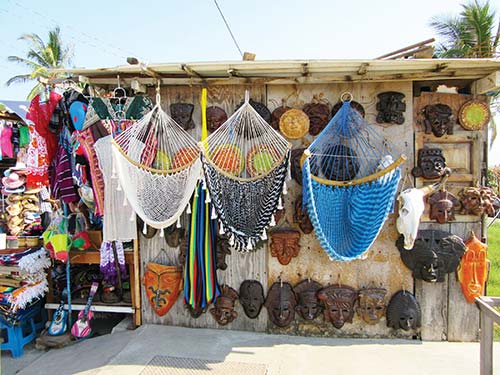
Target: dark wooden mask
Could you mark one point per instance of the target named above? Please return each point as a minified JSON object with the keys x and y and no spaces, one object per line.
{"x":222,"y":249}
{"x":301,"y":217}
{"x":251,"y":297}
{"x":354,"y":105}
{"x":319,"y":115}
{"x":280,"y":304}
{"x":216,"y":116}
{"x":338,"y":302}
{"x":438,"y":119}
{"x":182,"y":114}
{"x":478,"y":201}
{"x":431,"y":164}
{"x":371,"y":304}
{"x":308,"y":306}
{"x":391,"y":107}
{"x":285,"y":245}
{"x":296,"y":169}
{"x":223,"y":310}
{"x":276,"y":116}
{"x":403,"y":311}
{"x":260,"y":108}
{"x":443,"y":205}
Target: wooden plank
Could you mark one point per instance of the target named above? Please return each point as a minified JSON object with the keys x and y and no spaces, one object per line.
{"x":487,"y":84}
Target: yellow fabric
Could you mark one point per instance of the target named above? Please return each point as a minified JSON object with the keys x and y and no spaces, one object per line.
{"x":204,"y":130}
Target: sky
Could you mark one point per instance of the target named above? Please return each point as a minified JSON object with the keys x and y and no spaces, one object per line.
{"x":104,"y":33}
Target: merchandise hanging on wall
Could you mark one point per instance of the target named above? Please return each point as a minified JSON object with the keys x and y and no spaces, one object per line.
{"x":431,"y":164}
{"x":216,"y":116}
{"x":338,"y":302}
{"x":391,"y":107}
{"x":438,"y":119}
{"x":295,"y":167}
{"x":277,"y":113}
{"x":434,"y":254}
{"x":182,"y":114}
{"x":318,"y":114}
{"x":251,"y":297}
{"x":259,"y":107}
{"x":223,"y":310}
{"x":473,"y":270}
{"x":403,"y":311}
{"x":163,"y":285}
{"x":294,"y":124}
{"x":354,"y":104}
{"x":285,"y":245}
{"x":245,"y":199}
{"x":478,"y":201}
{"x":350,"y":178}
{"x":308,"y":305}
{"x":222,"y":250}
{"x":301,"y":217}
{"x":443,"y":205}
{"x":371,"y":304}
{"x":474,"y":115}
{"x":280,"y":304}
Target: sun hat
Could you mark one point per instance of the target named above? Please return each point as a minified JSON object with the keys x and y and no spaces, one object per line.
{"x":7,"y":191}
{"x":14,"y":209}
{"x":13,"y":181}
{"x":77,"y":111}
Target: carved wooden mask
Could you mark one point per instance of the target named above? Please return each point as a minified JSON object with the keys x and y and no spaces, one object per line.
{"x":354,"y":105}
{"x":319,"y":115}
{"x":174,"y":235}
{"x":308,"y":306}
{"x":163,"y":286}
{"x":196,"y":311}
{"x":260,"y":108}
{"x":223,"y":310}
{"x":431,"y":164}
{"x":338,"y":302}
{"x":301,"y":217}
{"x":295,"y":167}
{"x":276,"y":116}
{"x":216,"y":116}
{"x":182,"y":114}
{"x":371,"y":304}
{"x":222,"y":249}
{"x":438,"y":119}
{"x":251,"y":297}
{"x":403,"y":311}
{"x":280,"y":304}
{"x":434,"y":254}
{"x":478,"y":201}
{"x":473,"y":270}
{"x":391,"y":107}
{"x":443,"y":205}
{"x":285,"y":245}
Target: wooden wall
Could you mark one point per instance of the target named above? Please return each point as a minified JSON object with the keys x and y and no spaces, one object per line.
{"x":445,"y":315}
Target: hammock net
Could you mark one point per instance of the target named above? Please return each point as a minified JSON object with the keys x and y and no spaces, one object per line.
{"x":350,"y":178}
{"x":158,"y":166}
{"x":245,"y":163}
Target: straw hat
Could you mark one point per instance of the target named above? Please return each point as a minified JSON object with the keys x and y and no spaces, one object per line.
{"x":14,"y":209}
{"x":294,"y":124}
{"x":13,"y":181}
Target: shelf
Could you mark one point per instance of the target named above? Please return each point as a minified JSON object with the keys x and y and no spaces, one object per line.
{"x":96,"y":308}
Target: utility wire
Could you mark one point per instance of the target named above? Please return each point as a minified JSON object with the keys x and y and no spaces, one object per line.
{"x":228,"y":28}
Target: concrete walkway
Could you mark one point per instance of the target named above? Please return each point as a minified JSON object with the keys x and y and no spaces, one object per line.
{"x":251,"y":353}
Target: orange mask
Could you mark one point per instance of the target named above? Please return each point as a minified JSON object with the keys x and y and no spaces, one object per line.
{"x":473,"y":269}
{"x":163,"y":286}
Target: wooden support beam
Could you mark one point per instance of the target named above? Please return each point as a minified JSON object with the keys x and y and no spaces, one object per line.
{"x":190,"y":71}
{"x":487,"y":84}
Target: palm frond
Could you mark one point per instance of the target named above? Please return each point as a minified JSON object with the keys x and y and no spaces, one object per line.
{"x":21,"y":78}
{"x":22,"y":60}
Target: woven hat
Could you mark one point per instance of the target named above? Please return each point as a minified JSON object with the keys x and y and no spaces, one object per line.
{"x":294,"y":124}
{"x":13,"y":181}
{"x":14,"y":209}
{"x":32,"y":191}
{"x":474,"y":115}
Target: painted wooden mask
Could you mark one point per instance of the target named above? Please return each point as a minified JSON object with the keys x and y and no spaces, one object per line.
{"x":431,"y":164}
{"x":473,"y":270}
{"x":301,"y":217}
{"x":308,"y":306}
{"x":443,"y":205}
{"x":163,"y":286}
{"x":438,"y":119}
{"x":319,"y":115}
{"x":391,"y":107}
{"x":251,"y":297}
{"x":285,"y":245}
{"x":223,"y":310}
{"x":434,"y":254}
{"x":216,"y":116}
{"x":371,"y":304}
{"x":403,"y":311}
{"x":478,"y":201}
{"x":338,"y":302}
{"x":280,"y":304}
{"x":182,"y":114}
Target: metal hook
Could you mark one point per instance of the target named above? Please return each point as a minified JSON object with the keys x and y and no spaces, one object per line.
{"x":346,"y":96}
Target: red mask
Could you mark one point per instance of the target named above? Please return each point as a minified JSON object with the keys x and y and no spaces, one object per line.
{"x":163,"y":286}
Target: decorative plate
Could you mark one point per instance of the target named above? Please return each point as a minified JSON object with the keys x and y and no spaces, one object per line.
{"x":260,"y":159}
{"x":185,"y":156}
{"x":162,"y":161}
{"x":474,"y":115}
{"x":229,"y":158}
{"x":294,"y":124}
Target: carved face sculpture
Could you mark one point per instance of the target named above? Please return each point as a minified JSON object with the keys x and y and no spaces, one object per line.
{"x":338,"y":302}
{"x":478,"y":201}
{"x":276,"y":115}
{"x":390,"y":107}
{"x":196,"y":312}
{"x":301,"y":217}
{"x":223,"y":311}
{"x":473,"y":270}
{"x":163,"y":286}
{"x":434,"y":254}
{"x":443,"y":205}
{"x":251,"y":297}
{"x":438,"y":119}
{"x":280,"y":304}
{"x":319,"y":115}
{"x":296,"y":169}
{"x":431,"y":164}
{"x":174,"y":235}
{"x":222,"y":248}
{"x":403,"y":311}
{"x":182,"y":251}
{"x":371,"y":304}
{"x":182,"y":114}
{"x":261,"y":109}
{"x":285,"y":245}
{"x":308,"y":306}
{"x":354,"y":105}
{"x":216,"y":116}
{"x":411,"y":207}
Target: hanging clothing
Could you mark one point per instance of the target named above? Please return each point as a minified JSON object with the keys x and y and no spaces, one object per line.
{"x":6,"y":141}
{"x":37,"y":161}
{"x":119,"y":222}
{"x":62,"y":177}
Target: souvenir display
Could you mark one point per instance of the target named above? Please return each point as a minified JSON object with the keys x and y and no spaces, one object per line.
{"x":355,"y":105}
{"x":351,"y":174}
{"x":473,"y":270}
{"x":308,"y":305}
{"x":434,"y":254}
{"x":431,"y":164}
{"x":403,"y":311}
{"x":371,"y":304}
{"x":216,"y":116}
{"x":338,"y":302}
{"x":174,"y":235}
{"x":318,"y":114}
{"x":260,"y":108}
{"x":245,"y":204}
{"x":474,"y":115}
{"x":301,"y":217}
{"x":443,"y":205}
{"x":478,"y":201}
{"x":182,"y":114}
{"x":438,"y":119}
{"x":285,"y":245}
{"x":229,"y":159}
{"x":391,"y":107}
{"x":223,"y":250}
{"x":295,"y":167}
{"x":294,"y":124}
{"x":196,"y":312}
{"x":280,"y":304}
{"x":276,"y":116}
{"x":163,"y":284}
{"x":223,"y":310}
{"x":251,"y":297}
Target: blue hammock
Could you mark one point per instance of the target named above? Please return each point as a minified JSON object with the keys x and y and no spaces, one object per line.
{"x":347,"y":215}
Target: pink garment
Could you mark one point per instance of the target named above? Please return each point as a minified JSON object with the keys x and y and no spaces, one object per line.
{"x":37,"y":161}
{"x":6,"y":142}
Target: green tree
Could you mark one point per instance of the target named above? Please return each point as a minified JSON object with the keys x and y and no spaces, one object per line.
{"x":474,"y":33}
{"x":41,"y":58}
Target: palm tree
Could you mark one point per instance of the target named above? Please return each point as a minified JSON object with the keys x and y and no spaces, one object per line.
{"x":41,"y":58}
{"x":474,"y":33}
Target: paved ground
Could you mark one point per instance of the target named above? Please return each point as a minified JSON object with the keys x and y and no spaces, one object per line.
{"x":129,"y":352}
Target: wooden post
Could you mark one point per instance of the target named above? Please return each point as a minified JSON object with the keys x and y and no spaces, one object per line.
{"x":486,"y":345}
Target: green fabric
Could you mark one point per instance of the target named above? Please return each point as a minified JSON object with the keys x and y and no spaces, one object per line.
{"x":24,"y":136}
